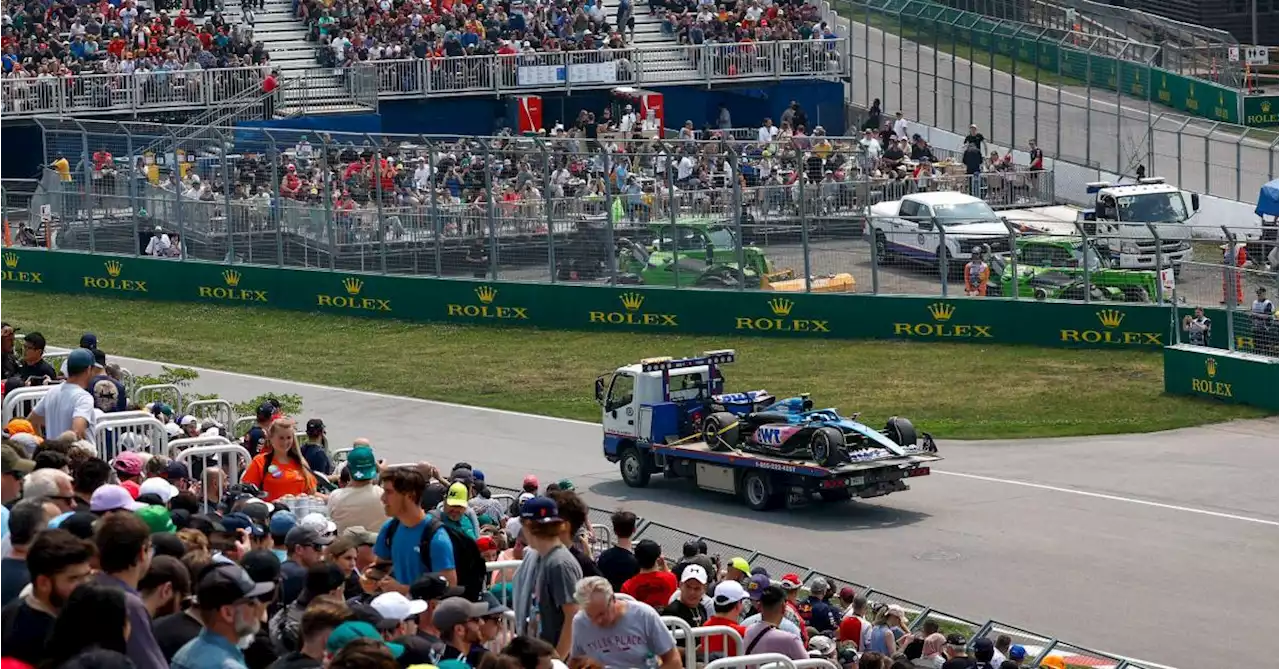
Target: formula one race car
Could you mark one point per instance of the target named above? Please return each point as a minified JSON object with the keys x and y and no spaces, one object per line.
{"x":754,"y":422}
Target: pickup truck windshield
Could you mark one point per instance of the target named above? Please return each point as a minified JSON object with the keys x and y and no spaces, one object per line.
{"x":1152,"y":208}
{"x":951,"y":214}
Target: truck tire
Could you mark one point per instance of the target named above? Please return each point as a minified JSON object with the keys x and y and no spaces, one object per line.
{"x":721,"y":431}
{"x":756,"y":489}
{"x":901,"y":431}
{"x":881,"y":248}
{"x":635,"y":468}
{"x":827,"y":445}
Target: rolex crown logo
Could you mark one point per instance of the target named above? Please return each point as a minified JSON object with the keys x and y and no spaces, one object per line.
{"x":941,"y":311}
{"x":632,"y":301}
{"x":353,"y":285}
{"x":113,"y":267}
{"x":781,"y":306}
{"x":1211,"y":367}
{"x":486,"y":294}
{"x":10,"y":260}
{"x":232,"y":277}
{"x":1111,"y":317}
{"x":1266,"y":108}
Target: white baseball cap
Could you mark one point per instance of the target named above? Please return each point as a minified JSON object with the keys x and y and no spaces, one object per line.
{"x":395,"y":606}
{"x":727,"y":592}
{"x":318,"y":522}
{"x":694,"y":572}
{"x":158,"y":486}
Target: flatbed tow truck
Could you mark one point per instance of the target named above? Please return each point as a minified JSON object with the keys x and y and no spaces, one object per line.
{"x":672,"y":416}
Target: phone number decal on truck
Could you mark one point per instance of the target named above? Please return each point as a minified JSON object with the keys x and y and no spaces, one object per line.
{"x":790,"y":469}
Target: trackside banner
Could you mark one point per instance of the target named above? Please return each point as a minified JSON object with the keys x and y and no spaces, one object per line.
{"x":599,"y":307}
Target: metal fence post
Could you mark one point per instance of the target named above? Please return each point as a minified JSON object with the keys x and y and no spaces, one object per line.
{"x":378,"y":167}
{"x":610,"y":242}
{"x":1084,"y":262}
{"x":732,"y":158}
{"x":87,"y":198}
{"x":327,"y":192}
{"x":490,"y":213}
{"x":229,"y":217}
{"x":1013,"y":259}
{"x":1155,"y":234}
{"x":944,"y":261}
{"x":133,"y":191}
{"x":437,"y":255}
{"x":672,"y":206}
{"x":1229,"y":278}
{"x":547,"y":206}
{"x":804,"y":227}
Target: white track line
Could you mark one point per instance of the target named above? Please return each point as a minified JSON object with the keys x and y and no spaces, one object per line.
{"x":1113,"y":498}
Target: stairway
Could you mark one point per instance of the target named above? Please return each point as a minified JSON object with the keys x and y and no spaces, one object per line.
{"x":285,"y":38}
{"x":671,"y":65}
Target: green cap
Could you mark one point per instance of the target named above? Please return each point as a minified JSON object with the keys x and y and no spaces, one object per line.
{"x":350,"y":631}
{"x":565,"y":484}
{"x":362,"y":464}
{"x":157,"y":518}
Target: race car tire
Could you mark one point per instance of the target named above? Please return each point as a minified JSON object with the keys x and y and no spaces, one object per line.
{"x":635,"y":468}
{"x":827,"y":446}
{"x":721,"y":431}
{"x":901,"y":431}
{"x":756,"y":489}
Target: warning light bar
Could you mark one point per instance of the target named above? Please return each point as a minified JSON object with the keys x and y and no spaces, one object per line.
{"x":708,"y":358}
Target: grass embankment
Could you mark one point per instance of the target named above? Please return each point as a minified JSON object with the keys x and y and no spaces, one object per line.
{"x":952,"y":390}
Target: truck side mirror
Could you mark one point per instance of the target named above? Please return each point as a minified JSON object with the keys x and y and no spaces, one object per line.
{"x":1195,"y":202}
{"x":600,"y":390}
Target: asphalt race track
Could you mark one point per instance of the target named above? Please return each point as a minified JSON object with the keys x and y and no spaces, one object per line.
{"x":1106,"y":542}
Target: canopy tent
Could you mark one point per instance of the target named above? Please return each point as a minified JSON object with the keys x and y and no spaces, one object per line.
{"x":1269,"y":199}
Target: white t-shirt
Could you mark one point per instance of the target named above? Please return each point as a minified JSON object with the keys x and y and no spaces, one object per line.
{"x":357,"y":505}
{"x":684,"y":169}
{"x":62,"y":405}
{"x":766,"y":133}
{"x":900,"y":127}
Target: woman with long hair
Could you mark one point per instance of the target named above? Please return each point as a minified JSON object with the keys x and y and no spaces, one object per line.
{"x":280,"y":469}
{"x":94,"y":618}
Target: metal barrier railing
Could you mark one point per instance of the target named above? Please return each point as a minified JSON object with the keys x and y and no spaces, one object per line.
{"x":19,"y":402}
{"x":167,"y":393}
{"x":128,"y":431}
{"x":218,"y":410}
{"x":230,"y":459}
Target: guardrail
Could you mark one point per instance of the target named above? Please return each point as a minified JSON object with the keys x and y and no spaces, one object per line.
{"x":1039,"y":646}
{"x":136,"y":93}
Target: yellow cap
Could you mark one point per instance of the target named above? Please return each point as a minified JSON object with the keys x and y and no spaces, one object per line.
{"x":457,"y":495}
{"x":740,"y":564}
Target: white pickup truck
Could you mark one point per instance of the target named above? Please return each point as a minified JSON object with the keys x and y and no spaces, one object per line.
{"x":923,"y":226}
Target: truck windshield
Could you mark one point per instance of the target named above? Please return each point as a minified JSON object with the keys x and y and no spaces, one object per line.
{"x":1095,"y":262}
{"x":1152,"y":208}
{"x":951,"y":214}
{"x":721,"y":238}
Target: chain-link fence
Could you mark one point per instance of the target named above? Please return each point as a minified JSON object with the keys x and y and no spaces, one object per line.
{"x":1244,"y":292}
{"x":672,"y":540}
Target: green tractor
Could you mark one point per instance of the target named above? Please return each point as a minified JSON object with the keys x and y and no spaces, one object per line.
{"x":1052,"y":268}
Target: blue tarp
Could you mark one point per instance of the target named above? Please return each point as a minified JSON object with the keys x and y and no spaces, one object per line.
{"x":1269,"y":199}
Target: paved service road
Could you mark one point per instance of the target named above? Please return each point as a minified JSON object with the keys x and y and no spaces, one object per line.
{"x":1108,"y":131}
{"x":1108,"y":542}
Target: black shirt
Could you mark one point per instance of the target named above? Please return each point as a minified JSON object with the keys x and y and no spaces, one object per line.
{"x":13,"y":578}
{"x":41,"y":368}
{"x":296,"y":661}
{"x":960,"y":663}
{"x":589,"y":568}
{"x":977,"y":140}
{"x":24,"y":631}
{"x":694,"y":615}
{"x":293,"y":577}
{"x":618,"y":564}
{"x":173,"y":631}
{"x":472,"y":658}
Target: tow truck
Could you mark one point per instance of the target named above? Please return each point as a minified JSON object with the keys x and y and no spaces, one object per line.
{"x":667,"y":415}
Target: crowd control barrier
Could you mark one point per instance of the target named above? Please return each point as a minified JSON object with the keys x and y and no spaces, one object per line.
{"x":200,"y":459}
{"x":770,"y":661}
{"x":160,"y":392}
{"x":690,"y":638}
{"x":218,"y":410}
{"x":177,"y":446}
{"x":19,"y":402}
{"x":129,"y":431}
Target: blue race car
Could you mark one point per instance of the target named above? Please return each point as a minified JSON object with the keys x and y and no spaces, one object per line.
{"x":754,"y":422}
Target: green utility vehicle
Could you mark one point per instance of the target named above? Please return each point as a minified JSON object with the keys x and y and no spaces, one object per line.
{"x":1052,"y":268}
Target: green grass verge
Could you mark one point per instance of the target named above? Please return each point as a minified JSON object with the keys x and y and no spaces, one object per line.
{"x":953,"y":390}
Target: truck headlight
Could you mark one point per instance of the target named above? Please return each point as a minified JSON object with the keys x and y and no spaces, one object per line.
{"x":1129,"y":247}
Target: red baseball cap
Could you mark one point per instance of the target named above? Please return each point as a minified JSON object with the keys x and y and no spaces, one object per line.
{"x":133,"y":488}
{"x":531,"y":480}
{"x":486,"y":544}
{"x":847,"y":592}
{"x":790,"y":581}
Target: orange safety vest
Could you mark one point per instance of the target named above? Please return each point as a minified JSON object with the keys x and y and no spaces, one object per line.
{"x":980,"y":287}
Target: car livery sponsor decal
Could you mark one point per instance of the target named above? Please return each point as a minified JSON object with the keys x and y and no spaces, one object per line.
{"x":776,"y":435}
{"x":776,"y":466}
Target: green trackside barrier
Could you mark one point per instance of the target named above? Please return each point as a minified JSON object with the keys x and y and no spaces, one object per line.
{"x":1226,"y":376}
{"x":600,"y":307}
{"x":1262,"y":111}
{"x":947,"y":25}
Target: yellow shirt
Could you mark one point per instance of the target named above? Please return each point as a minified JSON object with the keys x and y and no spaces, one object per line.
{"x":63,"y":168}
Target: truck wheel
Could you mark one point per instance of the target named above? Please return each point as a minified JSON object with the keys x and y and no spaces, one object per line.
{"x":721,"y":431}
{"x":901,"y":431}
{"x":826,"y":445}
{"x":635,"y":468}
{"x":757,"y":491}
{"x":882,"y":249}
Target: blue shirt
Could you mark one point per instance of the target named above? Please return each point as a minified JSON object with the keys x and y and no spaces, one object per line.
{"x":208,"y":651}
{"x":317,"y":458}
{"x":406,"y":552}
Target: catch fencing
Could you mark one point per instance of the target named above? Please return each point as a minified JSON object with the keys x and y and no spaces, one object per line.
{"x":1088,"y":99}
{"x":1245,"y":295}
{"x":1039,"y":646}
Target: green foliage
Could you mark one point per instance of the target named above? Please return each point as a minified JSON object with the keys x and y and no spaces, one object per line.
{"x":290,"y":403}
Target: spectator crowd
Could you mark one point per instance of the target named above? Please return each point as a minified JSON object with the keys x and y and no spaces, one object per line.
{"x":51,"y":49}
{"x":308,"y":560}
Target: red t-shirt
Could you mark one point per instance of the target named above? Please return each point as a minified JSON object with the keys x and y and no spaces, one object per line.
{"x":653,"y":588}
{"x":850,"y":630}
{"x":716,"y":642}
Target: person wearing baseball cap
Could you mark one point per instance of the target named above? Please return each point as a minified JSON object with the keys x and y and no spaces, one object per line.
{"x":231,"y":605}
{"x":530,"y":484}
{"x":1017,"y":653}
{"x":458,"y":621}
{"x":729,"y":600}
{"x":457,"y":511}
{"x":690,"y":601}
{"x":68,"y":406}
{"x":790,"y":585}
{"x":822,"y":616}
{"x":12,"y":468}
{"x":159,"y":487}
{"x":360,"y":502}
{"x":756,"y":587}
{"x":739,"y":570}
{"x":425,"y":641}
{"x":358,"y":629}
{"x":112,"y":497}
{"x":404,"y":612}
{"x":558,"y":571}
{"x":315,"y":450}
{"x":304,"y":547}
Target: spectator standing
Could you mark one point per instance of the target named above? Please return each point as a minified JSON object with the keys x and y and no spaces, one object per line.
{"x":95,"y":618}
{"x":305,"y":549}
{"x":729,"y":600}
{"x":931,"y":655}
{"x":694,"y":552}
{"x":281,"y":470}
{"x":27,"y":519}
{"x":900,"y":126}
{"x":756,"y":587}
{"x":51,"y":485}
{"x":165,"y":586}
{"x":1198,"y":328}
{"x":1037,"y":156}
{"x":318,"y":621}
{"x":974,"y":139}
{"x":766,"y":636}
{"x":618,"y":562}
{"x":90,"y":475}
{"x":68,"y":406}
{"x":269,"y":85}
{"x":691,"y":602}
{"x":12,"y":468}
{"x":59,"y":562}
{"x":401,"y":538}
{"x":109,"y":394}
{"x":544,"y":582}
{"x":654,"y":584}
{"x":957,"y":658}
{"x":1262,"y":319}
{"x":323,"y":580}
{"x":820,"y":614}
{"x":619,"y":631}
{"x":458,"y":622}
{"x":231,"y":608}
{"x":456,"y":508}
{"x":316,"y":449}
{"x":34,"y":370}
{"x":360,"y":502}
{"x":124,"y":556}
{"x":425,"y":642}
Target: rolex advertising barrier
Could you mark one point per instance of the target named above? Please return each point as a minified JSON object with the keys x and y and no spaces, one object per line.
{"x":601,"y":307}
{"x":1233,"y":377}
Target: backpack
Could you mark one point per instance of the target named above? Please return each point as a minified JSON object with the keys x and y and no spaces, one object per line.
{"x":468,"y":563}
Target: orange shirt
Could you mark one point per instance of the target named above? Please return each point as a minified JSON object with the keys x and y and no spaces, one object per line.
{"x":280,"y":479}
